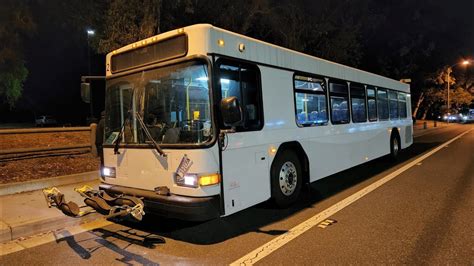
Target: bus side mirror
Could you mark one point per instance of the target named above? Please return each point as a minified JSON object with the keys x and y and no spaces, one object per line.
{"x":86,"y":92}
{"x":231,"y":111}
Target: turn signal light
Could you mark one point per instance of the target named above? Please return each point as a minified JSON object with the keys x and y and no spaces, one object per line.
{"x":208,"y":180}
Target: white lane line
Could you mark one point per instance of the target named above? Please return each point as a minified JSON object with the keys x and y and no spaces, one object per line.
{"x":271,"y":246}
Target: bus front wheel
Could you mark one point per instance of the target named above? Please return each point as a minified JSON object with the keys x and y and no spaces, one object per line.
{"x":286,"y":177}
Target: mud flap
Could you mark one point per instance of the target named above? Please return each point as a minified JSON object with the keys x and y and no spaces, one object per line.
{"x":121,"y":206}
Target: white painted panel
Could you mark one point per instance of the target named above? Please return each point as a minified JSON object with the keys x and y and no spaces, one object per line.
{"x":145,"y":169}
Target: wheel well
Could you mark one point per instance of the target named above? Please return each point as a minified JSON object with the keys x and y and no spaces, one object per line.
{"x":395,"y":133}
{"x":300,"y":152}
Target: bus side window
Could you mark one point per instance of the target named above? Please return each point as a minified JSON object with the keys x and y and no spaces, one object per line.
{"x":310,"y":101}
{"x":382,"y":104}
{"x":402,"y":105}
{"x":359,"y":112}
{"x":393,"y":104}
{"x":371,"y":103}
{"x":339,"y":96}
{"x":243,"y":81}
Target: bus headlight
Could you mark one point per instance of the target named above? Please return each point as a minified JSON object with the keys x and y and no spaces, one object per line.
{"x":195,"y":180}
{"x":108,"y":172}
{"x":188,"y":180}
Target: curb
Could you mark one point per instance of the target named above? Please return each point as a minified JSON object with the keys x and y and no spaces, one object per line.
{"x":19,"y":187}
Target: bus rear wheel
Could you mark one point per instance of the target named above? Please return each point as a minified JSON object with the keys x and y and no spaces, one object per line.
{"x":394,"y":146}
{"x":286,"y":177}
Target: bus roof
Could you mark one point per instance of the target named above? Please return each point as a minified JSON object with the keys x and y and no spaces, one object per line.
{"x":208,"y":39}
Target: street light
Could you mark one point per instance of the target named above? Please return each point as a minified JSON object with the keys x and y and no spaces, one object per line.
{"x":464,"y":63}
{"x":90,"y":33}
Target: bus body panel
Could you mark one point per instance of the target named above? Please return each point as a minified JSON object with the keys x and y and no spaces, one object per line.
{"x":145,"y":169}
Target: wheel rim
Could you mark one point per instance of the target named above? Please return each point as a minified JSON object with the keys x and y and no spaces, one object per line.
{"x":395,"y":146}
{"x":288,"y":178}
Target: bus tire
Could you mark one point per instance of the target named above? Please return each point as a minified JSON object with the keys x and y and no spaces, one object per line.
{"x":286,"y":179}
{"x":395,"y":146}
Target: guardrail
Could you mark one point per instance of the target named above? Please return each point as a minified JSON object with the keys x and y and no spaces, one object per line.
{"x":15,"y":154}
{"x":43,"y":130}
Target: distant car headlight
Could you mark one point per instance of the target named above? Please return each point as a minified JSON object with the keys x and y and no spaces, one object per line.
{"x":464,"y":117}
{"x":108,"y":172}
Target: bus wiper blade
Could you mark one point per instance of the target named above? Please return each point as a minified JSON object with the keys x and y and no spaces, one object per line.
{"x":119,"y":137}
{"x":148,"y":135}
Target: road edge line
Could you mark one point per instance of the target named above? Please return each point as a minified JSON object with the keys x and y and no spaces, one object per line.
{"x":276,"y":243}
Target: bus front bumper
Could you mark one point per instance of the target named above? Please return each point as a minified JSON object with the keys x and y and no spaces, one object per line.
{"x":172,"y":206}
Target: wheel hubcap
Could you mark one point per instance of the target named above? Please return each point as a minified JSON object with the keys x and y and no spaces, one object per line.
{"x":288,"y":178}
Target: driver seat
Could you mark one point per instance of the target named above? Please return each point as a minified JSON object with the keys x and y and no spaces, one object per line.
{"x":171,"y":136}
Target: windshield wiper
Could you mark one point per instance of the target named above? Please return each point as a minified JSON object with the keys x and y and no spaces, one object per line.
{"x":148,"y":135}
{"x":119,"y":137}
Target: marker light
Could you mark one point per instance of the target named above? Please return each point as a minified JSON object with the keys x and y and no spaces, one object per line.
{"x":220,"y":42}
{"x":208,"y":180}
{"x":108,"y":172}
{"x":241,"y":47}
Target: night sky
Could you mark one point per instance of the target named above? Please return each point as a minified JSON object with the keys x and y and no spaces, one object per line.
{"x":56,"y":54}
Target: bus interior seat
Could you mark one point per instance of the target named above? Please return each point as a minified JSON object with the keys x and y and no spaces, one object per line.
{"x":171,"y":136}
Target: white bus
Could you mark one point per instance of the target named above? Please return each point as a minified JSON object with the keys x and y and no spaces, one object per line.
{"x":201,"y":122}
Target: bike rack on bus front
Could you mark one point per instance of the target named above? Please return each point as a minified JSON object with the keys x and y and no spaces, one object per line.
{"x":121,"y":206}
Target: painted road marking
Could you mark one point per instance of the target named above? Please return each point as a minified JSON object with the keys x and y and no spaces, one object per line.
{"x":271,"y":246}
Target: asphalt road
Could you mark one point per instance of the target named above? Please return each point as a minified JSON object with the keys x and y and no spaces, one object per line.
{"x":422,"y":216}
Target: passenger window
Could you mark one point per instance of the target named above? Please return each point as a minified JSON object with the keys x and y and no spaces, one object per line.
{"x":382,"y":104}
{"x":371,"y":103}
{"x":402,"y":105}
{"x":310,"y":101}
{"x":393,"y":103}
{"x":339,"y":102}
{"x":359,"y":113}
{"x":243,"y":81}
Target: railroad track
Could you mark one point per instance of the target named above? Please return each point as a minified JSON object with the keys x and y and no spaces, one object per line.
{"x":38,"y":152}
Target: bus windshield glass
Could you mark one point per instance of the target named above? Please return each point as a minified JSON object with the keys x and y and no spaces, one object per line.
{"x":174,"y":102}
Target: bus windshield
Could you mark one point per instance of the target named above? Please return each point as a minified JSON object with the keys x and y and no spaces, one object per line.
{"x":174,"y":102}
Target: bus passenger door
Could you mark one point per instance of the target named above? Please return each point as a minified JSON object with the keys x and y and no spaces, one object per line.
{"x":245,"y":173}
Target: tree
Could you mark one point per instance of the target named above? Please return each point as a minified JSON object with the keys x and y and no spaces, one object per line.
{"x":433,"y":96}
{"x":15,"y":24}
{"x":128,"y":21}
